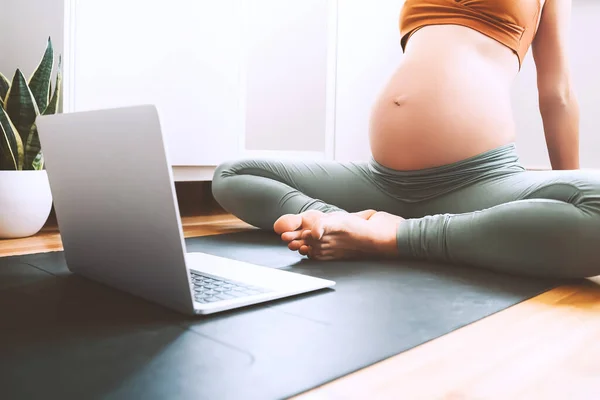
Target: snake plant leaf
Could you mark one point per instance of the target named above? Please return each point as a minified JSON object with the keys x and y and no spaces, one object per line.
{"x":32,"y":148}
{"x":59,"y":107}
{"x":11,"y":145}
{"x":56,"y":101}
{"x":38,"y":162}
{"x":4,"y":86}
{"x":39,"y":83}
{"x":21,"y":106}
{"x":8,"y":161}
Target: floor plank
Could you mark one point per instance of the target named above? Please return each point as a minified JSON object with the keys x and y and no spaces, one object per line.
{"x":48,"y":239}
{"x":544,"y":348}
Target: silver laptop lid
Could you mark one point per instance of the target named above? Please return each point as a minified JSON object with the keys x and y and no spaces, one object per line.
{"x":115,"y":201}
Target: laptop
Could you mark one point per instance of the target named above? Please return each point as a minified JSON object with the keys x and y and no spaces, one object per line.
{"x":117,"y":212}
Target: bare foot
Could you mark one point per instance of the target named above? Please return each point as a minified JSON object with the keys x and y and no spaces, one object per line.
{"x":291,"y":227}
{"x":342,"y":236}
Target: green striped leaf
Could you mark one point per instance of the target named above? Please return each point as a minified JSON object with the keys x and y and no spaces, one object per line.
{"x":4,"y":86}
{"x":21,"y":106}
{"x":60,"y":101}
{"x":53,"y":106}
{"x":39,"y":83}
{"x":38,"y":163}
{"x":32,"y":148}
{"x":11,"y":145}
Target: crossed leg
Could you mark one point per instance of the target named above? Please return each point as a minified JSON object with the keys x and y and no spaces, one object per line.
{"x":537,"y":223}
{"x":336,"y":201}
{"x":534,"y":223}
{"x":543,"y":223}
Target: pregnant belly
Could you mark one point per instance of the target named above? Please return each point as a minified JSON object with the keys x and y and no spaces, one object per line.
{"x":431,"y":114}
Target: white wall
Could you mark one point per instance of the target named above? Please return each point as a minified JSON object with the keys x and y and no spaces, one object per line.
{"x":25,"y":26}
{"x":181,"y":55}
{"x":286,"y":70}
{"x":229,"y":77}
{"x":585,"y":61}
{"x":368,"y":52}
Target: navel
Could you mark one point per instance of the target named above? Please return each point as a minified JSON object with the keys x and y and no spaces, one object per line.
{"x":400,"y":100}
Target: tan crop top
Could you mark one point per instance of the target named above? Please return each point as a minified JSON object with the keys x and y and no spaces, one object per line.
{"x":510,"y":22}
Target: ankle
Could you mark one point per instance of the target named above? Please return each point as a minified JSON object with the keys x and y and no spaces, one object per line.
{"x":383,"y":240}
{"x":387,"y":246}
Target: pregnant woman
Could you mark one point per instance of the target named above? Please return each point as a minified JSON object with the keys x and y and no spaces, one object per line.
{"x":445,"y":182}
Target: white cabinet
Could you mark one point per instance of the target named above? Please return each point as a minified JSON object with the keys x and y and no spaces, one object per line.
{"x":231,"y":78}
{"x":182,"y":55}
{"x":368,"y":51}
{"x":279,"y":78}
{"x":289,"y":77}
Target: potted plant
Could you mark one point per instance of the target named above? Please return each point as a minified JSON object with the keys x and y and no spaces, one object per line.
{"x":25,"y":197}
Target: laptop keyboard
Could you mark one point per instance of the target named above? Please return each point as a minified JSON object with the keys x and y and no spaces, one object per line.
{"x":209,"y":289}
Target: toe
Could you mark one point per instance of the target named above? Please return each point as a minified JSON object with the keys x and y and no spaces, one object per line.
{"x":306,"y":235}
{"x":323,"y":255}
{"x":287,"y":223}
{"x":290,"y":236}
{"x":318,"y":230}
{"x":305,"y":250}
{"x":296,"y":245}
{"x":310,"y":217}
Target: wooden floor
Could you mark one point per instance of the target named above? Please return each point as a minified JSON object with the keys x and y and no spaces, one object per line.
{"x":545,"y":348}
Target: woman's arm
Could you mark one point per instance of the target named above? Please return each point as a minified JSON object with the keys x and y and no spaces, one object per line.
{"x":558,"y":105}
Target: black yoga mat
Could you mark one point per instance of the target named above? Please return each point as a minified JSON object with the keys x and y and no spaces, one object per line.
{"x":66,"y":337}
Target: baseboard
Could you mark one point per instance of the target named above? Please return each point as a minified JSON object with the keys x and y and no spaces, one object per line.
{"x":193,"y":197}
{"x":538,"y":168}
{"x":183,"y":173}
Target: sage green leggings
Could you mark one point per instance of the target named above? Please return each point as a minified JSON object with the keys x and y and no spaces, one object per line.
{"x":486,"y":211}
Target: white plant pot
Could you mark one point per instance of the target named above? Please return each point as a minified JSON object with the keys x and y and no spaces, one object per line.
{"x":25,"y":203}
